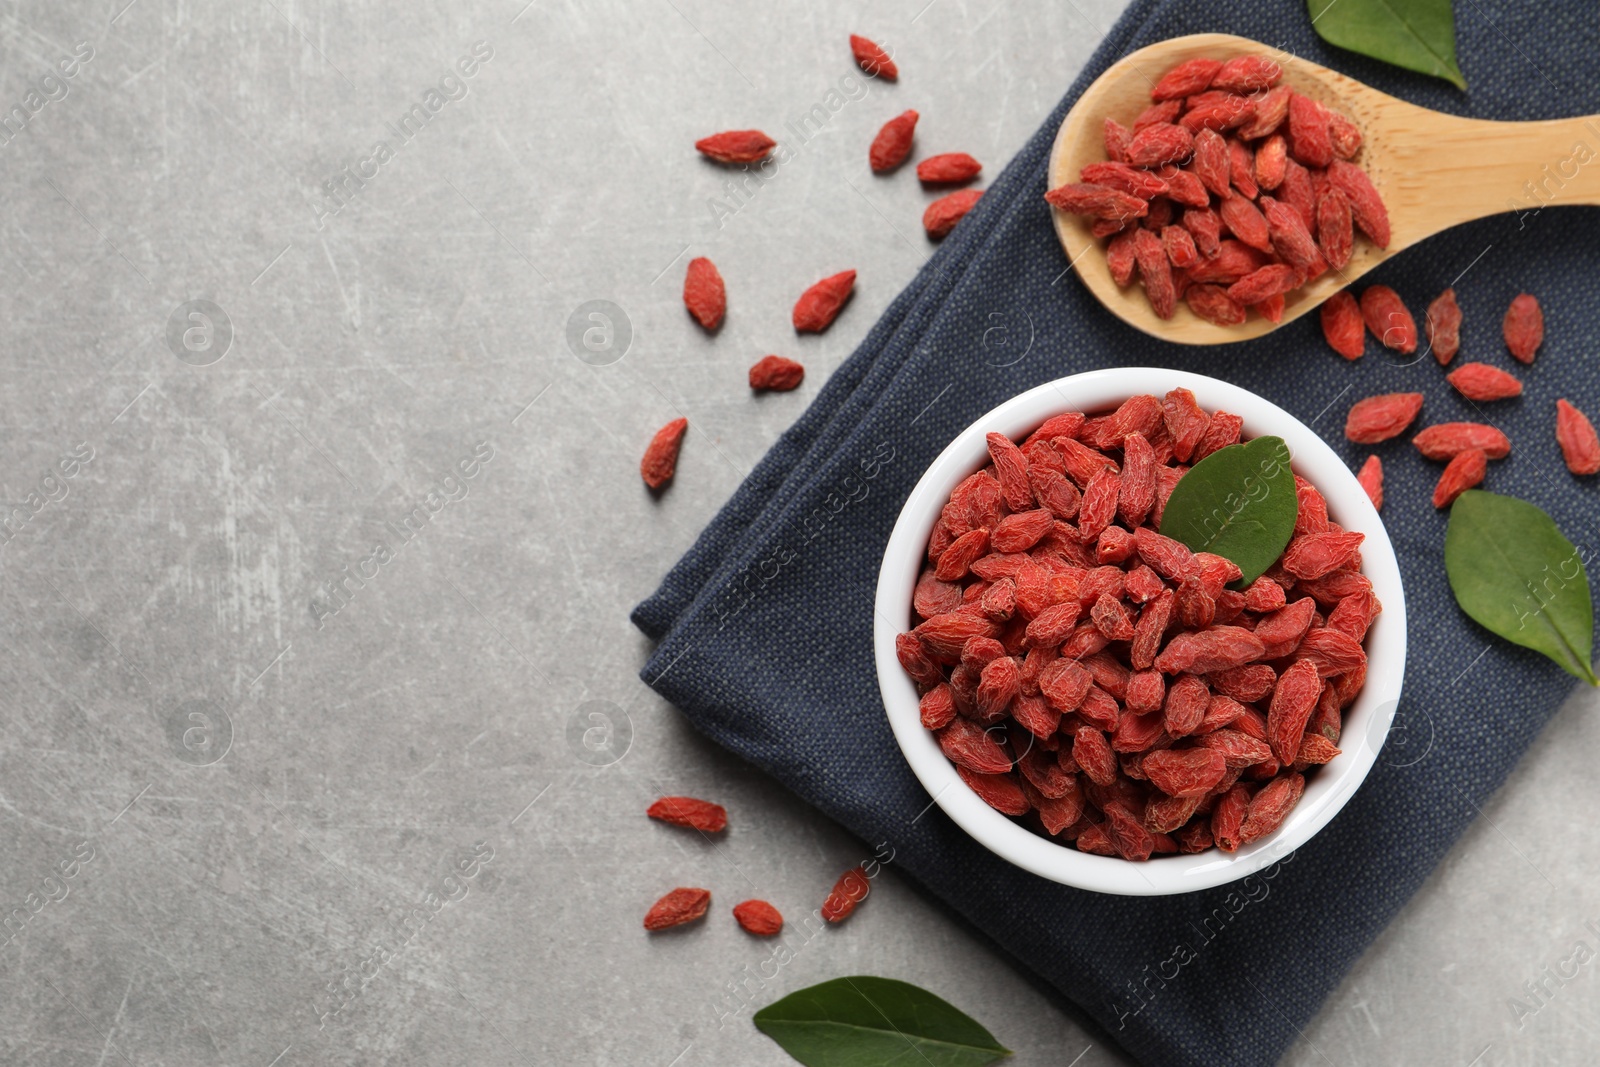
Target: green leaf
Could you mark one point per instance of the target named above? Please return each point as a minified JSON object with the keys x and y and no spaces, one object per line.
{"x":1512,"y":570}
{"x":862,"y":1021}
{"x":1418,"y":35}
{"x":1239,"y":503}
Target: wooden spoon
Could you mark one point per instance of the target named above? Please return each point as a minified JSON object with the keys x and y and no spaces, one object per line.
{"x":1432,"y":170}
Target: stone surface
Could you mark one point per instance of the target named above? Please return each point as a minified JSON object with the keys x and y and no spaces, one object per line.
{"x":388,"y":826}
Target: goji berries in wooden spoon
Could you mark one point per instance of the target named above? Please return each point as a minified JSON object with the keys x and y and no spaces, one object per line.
{"x":1431,"y":170}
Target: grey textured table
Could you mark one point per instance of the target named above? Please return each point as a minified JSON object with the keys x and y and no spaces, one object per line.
{"x":272,"y":796}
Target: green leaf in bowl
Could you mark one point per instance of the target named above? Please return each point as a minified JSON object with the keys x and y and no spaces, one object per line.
{"x":1239,"y":503}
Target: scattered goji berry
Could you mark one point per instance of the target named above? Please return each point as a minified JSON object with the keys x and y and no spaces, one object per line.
{"x":736,"y":146}
{"x":1443,"y":320}
{"x":704,"y":294}
{"x":1523,"y":327}
{"x":948,"y":167}
{"x":1343,"y":326}
{"x":1386,"y":316}
{"x":759,"y":918}
{"x":680,"y":906}
{"x":1371,"y":479}
{"x":1444,"y":440}
{"x":942,"y":215}
{"x":1479,"y":381}
{"x":893,"y":143}
{"x":1465,"y":470}
{"x":660,"y":459}
{"x":873,"y":60}
{"x":1378,"y":418}
{"x":1575,"y":434}
{"x":696,"y":814}
{"x":819,"y":305}
{"x":848,"y":892}
{"x":776,"y":373}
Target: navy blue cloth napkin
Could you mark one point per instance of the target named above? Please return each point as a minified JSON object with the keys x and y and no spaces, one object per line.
{"x":765,"y":627}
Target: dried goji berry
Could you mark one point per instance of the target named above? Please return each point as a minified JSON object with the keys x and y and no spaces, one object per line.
{"x":1313,"y":555}
{"x":1116,"y":137}
{"x":1335,"y":233}
{"x":1272,"y":108}
{"x":1158,"y":143}
{"x":736,"y":146}
{"x":1365,"y":204}
{"x":776,"y":373}
{"x":1479,"y":381}
{"x":1371,"y":479}
{"x":680,"y":906}
{"x":696,"y":814}
{"x":1270,"y":807}
{"x":1465,"y":470}
{"x":1580,"y":447}
{"x":1310,"y":138}
{"x":1386,"y":316}
{"x":759,"y":918}
{"x":819,"y":305}
{"x":1378,"y":418}
{"x":1523,"y":327}
{"x":1098,"y":201}
{"x":1443,"y":321}
{"x":1212,"y":303}
{"x":660,"y":459}
{"x":1247,"y":74}
{"x":1186,"y":79}
{"x":1155,"y":271}
{"x":893,"y":143}
{"x":942,"y":215}
{"x":1293,"y":701}
{"x":1270,"y":159}
{"x":873,"y":60}
{"x":1444,"y":440}
{"x":704,"y":294}
{"x":848,"y":892}
{"x":1228,"y":817}
{"x":948,"y":167}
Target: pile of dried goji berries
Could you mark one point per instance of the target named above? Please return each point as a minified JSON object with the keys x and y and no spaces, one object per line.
{"x":705,"y":294}
{"x":1465,"y":447}
{"x":1184,"y":194}
{"x":685,"y":904}
{"x":1104,"y":683}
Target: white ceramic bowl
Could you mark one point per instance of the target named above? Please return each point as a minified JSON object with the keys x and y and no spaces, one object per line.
{"x":1366,"y":722}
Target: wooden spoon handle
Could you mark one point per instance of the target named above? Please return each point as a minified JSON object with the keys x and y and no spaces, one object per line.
{"x":1447,"y":170}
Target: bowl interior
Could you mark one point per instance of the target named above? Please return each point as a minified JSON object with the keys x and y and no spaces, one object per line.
{"x":1366,"y":721}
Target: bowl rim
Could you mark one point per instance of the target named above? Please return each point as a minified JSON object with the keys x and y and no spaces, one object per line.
{"x":1366,"y":721}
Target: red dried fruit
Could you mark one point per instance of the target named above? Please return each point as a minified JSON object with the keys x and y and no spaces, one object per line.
{"x":819,"y":305}
{"x":1309,"y":134}
{"x":1212,"y":303}
{"x":1131,"y":180}
{"x":1580,"y":447}
{"x":848,"y":892}
{"x":1271,"y":158}
{"x":914,"y":658}
{"x":1386,"y":316}
{"x":1186,"y":79}
{"x":1155,"y":271}
{"x":1228,"y":816}
{"x":1335,"y":228}
{"x":1342,"y":325}
{"x":704,"y":294}
{"x":1241,"y":168}
{"x":966,"y":744}
{"x":1246,"y":222}
{"x":660,"y":460}
{"x":1313,"y":555}
{"x":1523,"y":327}
{"x":696,"y":814}
{"x":942,"y":215}
{"x":943,"y":635}
{"x":736,"y":146}
{"x":1282,"y":630}
{"x":1119,"y":258}
{"x":1443,"y":321}
{"x":1272,"y":280}
{"x":1465,"y":470}
{"x":1371,"y":479}
{"x":1206,"y":228}
{"x":873,"y":60}
{"x":1444,"y":440}
{"x":776,"y":373}
{"x":1220,"y":648}
{"x":1211,"y":162}
{"x":1293,"y":701}
{"x":1127,"y":833}
{"x":1179,"y":245}
{"x":938,"y":706}
{"x":1479,"y":381}
{"x":1345,"y":134}
{"x":1270,"y":807}
{"x":1291,"y":238}
{"x":1187,"y":700}
{"x":759,"y":918}
{"x":1117,"y":137}
{"x":1365,"y":203}
{"x":1163,"y":111}
{"x":893,"y":142}
{"x":1098,"y":201}
{"x":1315,"y":748}
{"x":680,"y":906}
{"x":1216,"y":110}
{"x":1272,"y":107}
{"x":948,"y":167}
{"x":1159,"y":143}
{"x":1247,"y":74}
{"x":1237,"y":748}
{"x":1378,"y":418}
